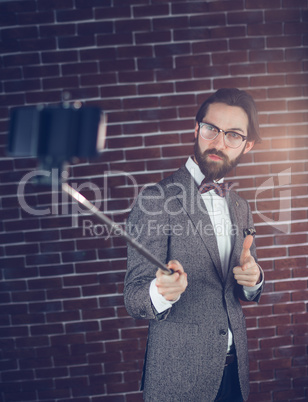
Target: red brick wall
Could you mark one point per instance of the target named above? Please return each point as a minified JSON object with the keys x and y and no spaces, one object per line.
{"x":65,"y":334}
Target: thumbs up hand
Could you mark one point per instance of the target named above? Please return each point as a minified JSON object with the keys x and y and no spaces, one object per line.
{"x":248,"y":273}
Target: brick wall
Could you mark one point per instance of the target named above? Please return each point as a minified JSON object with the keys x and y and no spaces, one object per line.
{"x":65,"y":334}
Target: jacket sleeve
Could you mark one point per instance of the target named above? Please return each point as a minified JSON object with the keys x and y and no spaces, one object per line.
{"x":148,"y":224}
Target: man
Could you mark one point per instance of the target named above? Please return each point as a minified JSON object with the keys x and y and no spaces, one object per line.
{"x":197,"y":344}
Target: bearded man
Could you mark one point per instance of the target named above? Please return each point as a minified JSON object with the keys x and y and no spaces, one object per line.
{"x":195,"y":223}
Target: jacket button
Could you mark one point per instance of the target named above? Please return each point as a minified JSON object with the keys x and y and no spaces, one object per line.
{"x":222,"y":332}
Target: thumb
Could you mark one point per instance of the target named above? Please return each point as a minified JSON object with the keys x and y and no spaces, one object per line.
{"x":176,"y":266}
{"x":246,"y":249}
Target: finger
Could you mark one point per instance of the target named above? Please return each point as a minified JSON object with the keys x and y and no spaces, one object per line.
{"x":249,"y":262}
{"x":167,"y":286}
{"x":246,"y":283}
{"x":246,"y":249}
{"x":247,"y":278}
{"x":175,"y":266}
{"x":252,"y":268}
{"x":171,"y":291}
{"x":165,"y":277}
{"x":248,"y":242}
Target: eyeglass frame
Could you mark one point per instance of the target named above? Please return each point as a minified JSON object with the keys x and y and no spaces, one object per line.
{"x":202,"y":123}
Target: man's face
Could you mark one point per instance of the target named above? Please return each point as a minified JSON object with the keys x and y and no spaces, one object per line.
{"x":214,"y":158}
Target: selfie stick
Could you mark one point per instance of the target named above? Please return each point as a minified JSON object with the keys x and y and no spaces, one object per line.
{"x":115,"y":228}
{"x":57,"y":134}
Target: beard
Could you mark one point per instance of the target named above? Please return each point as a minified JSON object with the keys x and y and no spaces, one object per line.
{"x":214,"y":170}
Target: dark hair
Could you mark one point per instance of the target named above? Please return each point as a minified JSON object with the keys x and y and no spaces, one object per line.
{"x":235,"y":97}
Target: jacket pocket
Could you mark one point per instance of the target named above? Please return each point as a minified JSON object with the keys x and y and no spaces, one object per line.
{"x":173,"y":356}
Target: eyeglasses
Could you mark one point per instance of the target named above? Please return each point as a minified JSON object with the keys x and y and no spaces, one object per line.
{"x":210,"y":132}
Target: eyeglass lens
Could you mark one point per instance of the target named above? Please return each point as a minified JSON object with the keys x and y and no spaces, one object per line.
{"x":232,"y":139}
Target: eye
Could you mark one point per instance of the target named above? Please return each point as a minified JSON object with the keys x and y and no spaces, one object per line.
{"x":233,"y":135}
{"x":209,"y":127}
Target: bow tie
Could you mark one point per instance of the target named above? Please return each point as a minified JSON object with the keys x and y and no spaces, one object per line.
{"x":220,"y":189}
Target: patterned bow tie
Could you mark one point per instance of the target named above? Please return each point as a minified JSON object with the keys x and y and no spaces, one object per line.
{"x":220,"y":189}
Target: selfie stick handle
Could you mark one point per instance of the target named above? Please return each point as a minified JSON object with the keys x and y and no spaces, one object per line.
{"x":115,"y":228}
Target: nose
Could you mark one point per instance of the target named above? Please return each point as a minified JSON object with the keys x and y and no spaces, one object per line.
{"x":219,"y":141}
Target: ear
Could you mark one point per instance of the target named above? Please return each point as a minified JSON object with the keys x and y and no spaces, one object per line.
{"x":196,"y":130}
{"x":249,"y":145}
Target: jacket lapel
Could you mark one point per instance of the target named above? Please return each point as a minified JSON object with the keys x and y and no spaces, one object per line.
{"x":192,"y":203}
{"x":236,"y":218}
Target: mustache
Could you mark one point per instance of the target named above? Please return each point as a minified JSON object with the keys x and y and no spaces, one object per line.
{"x":215,"y":151}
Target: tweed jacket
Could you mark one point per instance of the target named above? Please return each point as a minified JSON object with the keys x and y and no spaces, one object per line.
{"x":187,"y":344}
